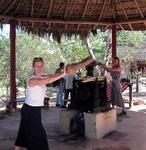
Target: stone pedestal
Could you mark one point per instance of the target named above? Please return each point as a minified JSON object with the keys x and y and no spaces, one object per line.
{"x":65,"y":117}
{"x":97,"y":125}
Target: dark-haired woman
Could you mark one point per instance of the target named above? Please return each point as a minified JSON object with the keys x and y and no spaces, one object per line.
{"x":116,"y":93}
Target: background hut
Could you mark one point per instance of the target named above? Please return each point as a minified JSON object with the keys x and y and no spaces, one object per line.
{"x":135,"y":56}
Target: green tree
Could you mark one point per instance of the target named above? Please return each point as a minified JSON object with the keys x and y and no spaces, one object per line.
{"x":4,"y":62}
{"x":70,"y":50}
{"x":73,"y":49}
{"x":28,"y":47}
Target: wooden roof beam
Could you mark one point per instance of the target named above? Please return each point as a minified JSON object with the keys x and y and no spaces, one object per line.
{"x":87,"y":1}
{"x":94,"y":27}
{"x":103,"y":7}
{"x":42,"y":20}
{"x":78,"y":27}
{"x":66,"y":9}
{"x":144,"y":23}
{"x":123,"y":10}
{"x":121,"y":26}
{"x":63,"y":29}
{"x":7,"y":17}
{"x":49,"y":26}
{"x":32,"y":8}
{"x":130,"y":25}
{"x":106,"y":27}
{"x":30,"y":22}
{"x":9,"y":7}
{"x":49,"y":9}
{"x":136,"y":3}
{"x":20,"y":2}
{"x":65,"y":26}
{"x":131,"y":21}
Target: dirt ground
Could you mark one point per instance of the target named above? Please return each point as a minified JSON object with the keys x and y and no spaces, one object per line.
{"x":129,"y":135}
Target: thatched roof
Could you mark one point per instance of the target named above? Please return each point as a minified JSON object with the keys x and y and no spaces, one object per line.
{"x":73,"y":16}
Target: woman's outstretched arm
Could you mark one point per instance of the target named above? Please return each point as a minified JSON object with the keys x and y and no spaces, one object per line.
{"x":45,"y":80}
{"x":71,"y":68}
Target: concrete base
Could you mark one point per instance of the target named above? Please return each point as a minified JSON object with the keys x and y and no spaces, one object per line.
{"x":97,"y":125}
{"x":65,"y":117}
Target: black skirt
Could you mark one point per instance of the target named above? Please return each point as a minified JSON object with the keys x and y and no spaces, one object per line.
{"x":31,"y":133}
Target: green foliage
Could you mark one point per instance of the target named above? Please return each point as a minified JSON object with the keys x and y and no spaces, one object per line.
{"x":4,"y":61}
{"x":73,"y":49}
{"x":70,"y":50}
{"x":131,"y":39}
{"x":29,"y":47}
{"x":98,"y":43}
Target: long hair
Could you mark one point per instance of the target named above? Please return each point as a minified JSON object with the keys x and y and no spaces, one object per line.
{"x":118,"y":65}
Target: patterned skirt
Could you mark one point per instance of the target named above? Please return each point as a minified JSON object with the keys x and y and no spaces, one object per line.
{"x":116,"y":94}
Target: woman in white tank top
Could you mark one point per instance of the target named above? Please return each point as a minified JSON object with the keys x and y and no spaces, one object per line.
{"x":31,"y":133}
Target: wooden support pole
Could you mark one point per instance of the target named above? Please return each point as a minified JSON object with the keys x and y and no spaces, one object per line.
{"x":130,"y":95}
{"x":13,"y":64}
{"x":114,"y":52}
{"x":137,"y":83}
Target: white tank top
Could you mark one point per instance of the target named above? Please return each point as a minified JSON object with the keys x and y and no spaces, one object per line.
{"x":35,"y":95}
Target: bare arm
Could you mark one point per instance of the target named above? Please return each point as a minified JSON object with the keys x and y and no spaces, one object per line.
{"x":45,"y":80}
{"x":74,"y":67}
{"x":116,"y":69}
{"x":83,"y":63}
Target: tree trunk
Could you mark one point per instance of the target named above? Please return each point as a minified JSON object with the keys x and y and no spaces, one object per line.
{"x":107,"y":49}
{"x":89,"y":47}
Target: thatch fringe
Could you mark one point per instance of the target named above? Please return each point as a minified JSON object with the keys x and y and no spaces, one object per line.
{"x":72,"y":17}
